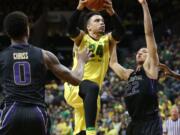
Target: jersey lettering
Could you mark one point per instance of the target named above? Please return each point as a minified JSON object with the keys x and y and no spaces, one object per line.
{"x":132,"y":89}
{"x":96,"y":52}
{"x":22,"y":73}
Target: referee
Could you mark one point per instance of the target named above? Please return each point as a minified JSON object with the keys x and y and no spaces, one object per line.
{"x":172,"y":125}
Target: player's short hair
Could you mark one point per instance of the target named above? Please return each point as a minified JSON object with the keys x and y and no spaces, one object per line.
{"x":87,"y":17}
{"x":15,"y":24}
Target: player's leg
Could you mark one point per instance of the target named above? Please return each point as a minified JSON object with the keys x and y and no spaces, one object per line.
{"x":79,"y":118}
{"x":89,"y":92}
{"x":98,"y":108}
{"x":71,"y":95}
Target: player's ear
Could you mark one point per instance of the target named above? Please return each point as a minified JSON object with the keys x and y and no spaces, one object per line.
{"x":88,"y":27}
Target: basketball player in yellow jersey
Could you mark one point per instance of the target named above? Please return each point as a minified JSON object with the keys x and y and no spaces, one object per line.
{"x":85,"y":98}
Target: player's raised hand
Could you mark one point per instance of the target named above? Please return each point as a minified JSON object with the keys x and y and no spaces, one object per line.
{"x":82,"y":4}
{"x":142,"y":1}
{"x":108,"y":7}
{"x":84,"y":55}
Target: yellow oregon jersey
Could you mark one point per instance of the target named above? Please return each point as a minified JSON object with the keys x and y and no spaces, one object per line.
{"x":96,"y":67}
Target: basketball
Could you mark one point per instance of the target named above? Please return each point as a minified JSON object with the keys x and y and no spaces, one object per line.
{"x":95,"y":5}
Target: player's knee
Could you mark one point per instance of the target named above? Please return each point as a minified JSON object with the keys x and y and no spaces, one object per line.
{"x":94,"y":90}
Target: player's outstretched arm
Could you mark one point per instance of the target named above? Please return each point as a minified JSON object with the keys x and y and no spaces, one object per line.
{"x":122,"y":72}
{"x":152,"y":60}
{"x":118,"y":30}
{"x":61,"y":72}
{"x":74,"y":32}
{"x":167,"y":71}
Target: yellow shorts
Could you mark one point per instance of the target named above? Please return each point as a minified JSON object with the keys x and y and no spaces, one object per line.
{"x":71,"y":95}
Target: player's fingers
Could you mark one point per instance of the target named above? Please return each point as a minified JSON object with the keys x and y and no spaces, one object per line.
{"x":83,"y":1}
{"x":89,"y":54}
{"x":106,"y":6}
{"x":108,"y":2}
{"x":85,"y":50}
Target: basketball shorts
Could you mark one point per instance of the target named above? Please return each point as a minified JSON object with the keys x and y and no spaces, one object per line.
{"x":71,"y":95}
{"x":148,"y":127}
{"x":23,"y":119}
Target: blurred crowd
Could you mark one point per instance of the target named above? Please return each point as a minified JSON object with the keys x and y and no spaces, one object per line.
{"x":113,"y":118}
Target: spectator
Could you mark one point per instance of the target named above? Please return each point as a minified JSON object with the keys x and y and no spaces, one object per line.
{"x":172,"y":125}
